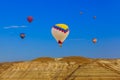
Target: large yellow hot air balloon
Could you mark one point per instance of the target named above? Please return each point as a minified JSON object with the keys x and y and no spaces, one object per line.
{"x":60,"y":33}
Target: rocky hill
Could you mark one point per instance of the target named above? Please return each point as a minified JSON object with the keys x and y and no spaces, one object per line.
{"x":66,"y":68}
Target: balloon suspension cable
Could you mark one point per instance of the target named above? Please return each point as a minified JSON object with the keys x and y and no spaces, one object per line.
{"x":60,"y":45}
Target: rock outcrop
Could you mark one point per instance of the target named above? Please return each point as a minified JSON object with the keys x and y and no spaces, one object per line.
{"x":67,"y":68}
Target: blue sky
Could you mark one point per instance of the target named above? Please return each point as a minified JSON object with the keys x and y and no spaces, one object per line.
{"x":39,"y":41}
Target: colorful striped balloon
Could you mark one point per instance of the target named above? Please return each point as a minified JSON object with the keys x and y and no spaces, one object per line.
{"x":60,"y":32}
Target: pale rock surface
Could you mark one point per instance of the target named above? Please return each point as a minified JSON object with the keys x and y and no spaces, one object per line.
{"x":68,"y":68}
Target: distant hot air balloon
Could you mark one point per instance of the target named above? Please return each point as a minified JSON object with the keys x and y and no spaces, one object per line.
{"x":22,"y":35}
{"x":60,"y":33}
{"x":81,"y":12}
{"x":94,"y":17}
{"x":94,"y":40}
{"x":30,"y":19}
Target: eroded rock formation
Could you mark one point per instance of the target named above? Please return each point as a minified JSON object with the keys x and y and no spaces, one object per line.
{"x":67,"y":68}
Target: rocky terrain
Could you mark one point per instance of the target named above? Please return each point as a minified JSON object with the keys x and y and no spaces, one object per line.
{"x":66,"y":68}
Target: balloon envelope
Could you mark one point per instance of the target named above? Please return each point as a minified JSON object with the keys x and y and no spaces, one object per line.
{"x":81,"y":13}
{"x":60,"y":33}
{"x":94,"y":17}
{"x":22,"y":35}
{"x":94,"y":40}
{"x":30,"y":19}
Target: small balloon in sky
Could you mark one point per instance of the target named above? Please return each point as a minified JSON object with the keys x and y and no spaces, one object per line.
{"x":81,"y":12}
{"x":29,"y":19}
{"x":60,"y":32}
{"x":22,"y":35}
{"x":94,"y":40}
{"x":94,"y":17}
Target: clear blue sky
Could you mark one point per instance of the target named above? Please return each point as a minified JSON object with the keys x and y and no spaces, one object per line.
{"x":39,"y":41}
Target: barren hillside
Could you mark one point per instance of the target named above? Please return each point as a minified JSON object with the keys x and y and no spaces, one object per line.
{"x":66,"y":68}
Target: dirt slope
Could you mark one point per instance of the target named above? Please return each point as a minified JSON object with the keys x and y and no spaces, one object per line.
{"x":67,"y":68}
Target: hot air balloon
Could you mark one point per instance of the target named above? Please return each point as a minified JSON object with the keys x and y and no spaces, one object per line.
{"x":30,"y":19}
{"x":81,"y":13}
{"x":22,"y":35}
{"x":94,"y":40}
{"x":94,"y":17}
{"x":60,"y":33}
